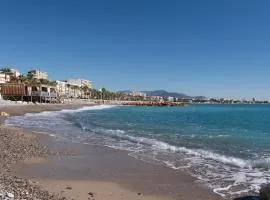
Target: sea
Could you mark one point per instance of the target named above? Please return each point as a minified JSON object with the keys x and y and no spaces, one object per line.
{"x":226,"y":147}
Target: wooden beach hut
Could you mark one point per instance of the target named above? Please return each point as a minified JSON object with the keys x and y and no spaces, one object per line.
{"x":29,"y":92}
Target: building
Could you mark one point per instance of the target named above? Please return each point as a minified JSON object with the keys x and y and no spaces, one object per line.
{"x":29,"y":92}
{"x":72,"y":88}
{"x":80,"y":83}
{"x":38,"y":74}
{"x":14,"y":73}
{"x":170,"y":99}
{"x":10,"y":72}
{"x":4,"y":78}
{"x":62,"y":88}
{"x":141,"y":94}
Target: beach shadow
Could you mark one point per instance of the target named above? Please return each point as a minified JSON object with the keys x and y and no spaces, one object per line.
{"x":248,"y":198}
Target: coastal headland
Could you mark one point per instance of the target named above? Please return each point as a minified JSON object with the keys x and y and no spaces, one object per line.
{"x":38,"y":166}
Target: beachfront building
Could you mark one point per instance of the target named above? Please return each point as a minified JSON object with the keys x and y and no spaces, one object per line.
{"x":33,"y":92}
{"x":4,"y":78}
{"x":9,"y":72}
{"x":62,"y":88}
{"x":73,"y":88}
{"x":67,"y":90}
{"x":80,"y":82}
{"x":76,"y":87}
{"x":14,"y":72}
{"x":37,"y":74}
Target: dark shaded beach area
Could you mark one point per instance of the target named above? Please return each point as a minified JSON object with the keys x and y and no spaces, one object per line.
{"x":37,"y":166}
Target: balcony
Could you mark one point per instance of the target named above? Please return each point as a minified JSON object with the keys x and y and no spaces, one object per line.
{"x":43,"y":94}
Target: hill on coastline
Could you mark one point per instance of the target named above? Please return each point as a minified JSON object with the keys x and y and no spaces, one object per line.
{"x":164,"y":93}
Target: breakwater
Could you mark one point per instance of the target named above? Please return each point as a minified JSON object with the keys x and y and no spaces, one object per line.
{"x":152,"y":103}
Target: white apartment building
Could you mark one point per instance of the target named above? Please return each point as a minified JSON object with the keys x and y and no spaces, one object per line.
{"x":15,"y":72}
{"x":170,"y":99}
{"x":61,"y":87}
{"x":141,"y":94}
{"x":72,"y":87}
{"x":80,"y":82}
{"x":12,"y":73}
{"x":38,"y":74}
{"x":4,"y":78}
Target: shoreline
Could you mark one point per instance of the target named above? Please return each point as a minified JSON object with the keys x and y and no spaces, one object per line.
{"x":130,"y":180}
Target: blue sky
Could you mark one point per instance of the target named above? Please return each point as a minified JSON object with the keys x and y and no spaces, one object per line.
{"x":212,"y":48}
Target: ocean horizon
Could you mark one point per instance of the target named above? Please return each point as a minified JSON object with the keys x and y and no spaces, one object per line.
{"x":225,"y":147}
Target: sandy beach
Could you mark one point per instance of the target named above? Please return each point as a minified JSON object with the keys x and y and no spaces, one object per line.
{"x":36,"y":166}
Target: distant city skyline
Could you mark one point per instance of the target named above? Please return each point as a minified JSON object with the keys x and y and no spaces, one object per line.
{"x":209,"y":48}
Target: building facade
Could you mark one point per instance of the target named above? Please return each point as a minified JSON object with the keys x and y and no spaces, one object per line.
{"x":73,"y":88}
{"x":4,"y":78}
{"x":62,"y":88}
{"x":14,"y":73}
{"x":38,"y":74}
{"x":136,"y":93}
{"x":80,"y":82}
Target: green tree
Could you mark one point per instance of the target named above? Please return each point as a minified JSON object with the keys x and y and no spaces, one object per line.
{"x":30,"y":76}
{"x":86,"y":90}
{"x":53,"y":83}
{"x":5,"y":69}
{"x":44,"y":81}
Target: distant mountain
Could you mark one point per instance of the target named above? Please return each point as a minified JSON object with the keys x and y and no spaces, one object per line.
{"x":164,"y":93}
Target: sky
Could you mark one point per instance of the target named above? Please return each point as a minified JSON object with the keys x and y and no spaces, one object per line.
{"x":213,"y":48}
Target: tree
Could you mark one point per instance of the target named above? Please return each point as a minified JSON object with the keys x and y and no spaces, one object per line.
{"x":30,"y":76}
{"x":35,"y":81}
{"x":95,"y":94}
{"x":23,"y":79}
{"x":68,"y":87}
{"x":44,"y":81}
{"x":103,"y":91}
{"x":5,"y":70}
{"x":52,"y":83}
{"x":85,"y":90}
{"x":75,"y":89}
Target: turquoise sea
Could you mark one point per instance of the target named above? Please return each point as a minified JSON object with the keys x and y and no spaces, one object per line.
{"x":226,"y":147}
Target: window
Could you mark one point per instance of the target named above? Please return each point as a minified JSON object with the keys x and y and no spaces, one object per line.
{"x":52,"y":90}
{"x":44,"y":89}
{"x":34,"y":89}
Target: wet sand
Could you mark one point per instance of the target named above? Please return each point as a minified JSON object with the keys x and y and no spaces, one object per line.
{"x":82,"y":171}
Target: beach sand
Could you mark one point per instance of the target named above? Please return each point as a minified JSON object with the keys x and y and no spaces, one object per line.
{"x":80,"y":171}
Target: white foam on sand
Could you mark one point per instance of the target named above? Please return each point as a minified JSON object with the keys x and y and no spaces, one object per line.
{"x":85,"y":108}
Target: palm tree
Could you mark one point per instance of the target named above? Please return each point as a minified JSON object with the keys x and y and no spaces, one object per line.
{"x":85,"y":89}
{"x":35,"y":81}
{"x":95,"y":94}
{"x":103,"y":90}
{"x":68,"y":86}
{"x":44,"y":81}
{"x":30,"y":76}
{"x":75,"y":88}
{"x":53,"y":83}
